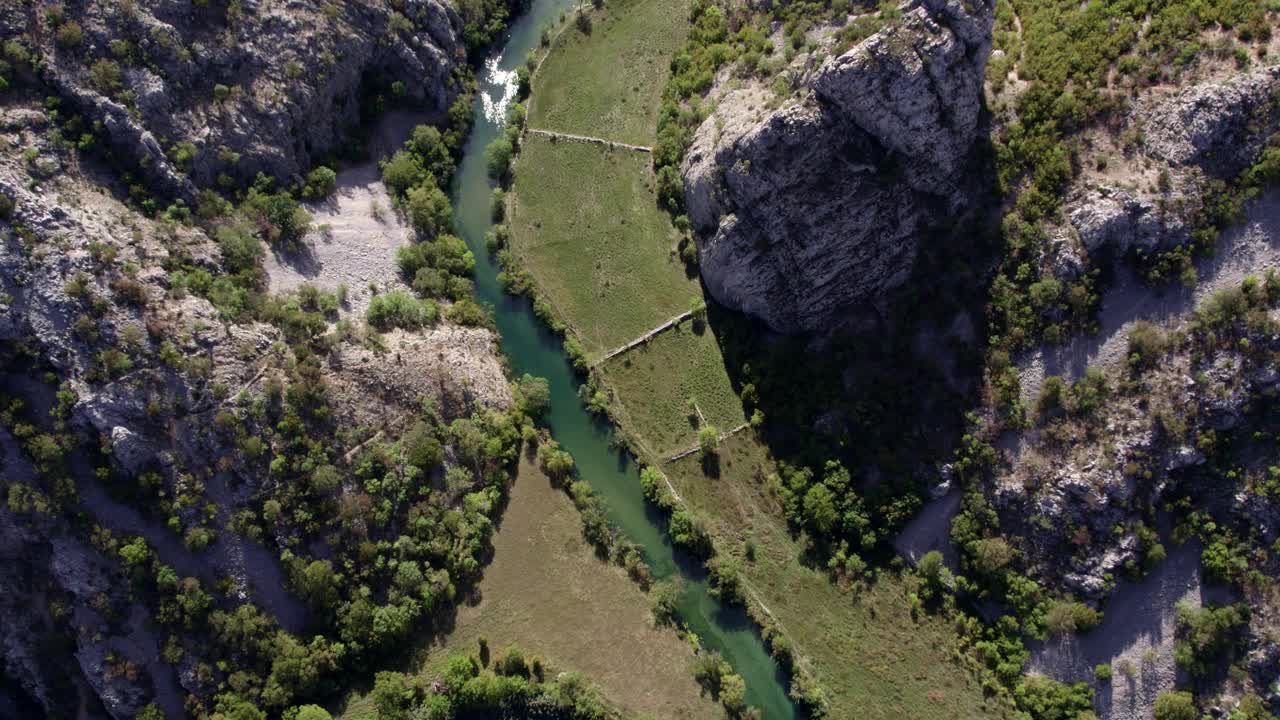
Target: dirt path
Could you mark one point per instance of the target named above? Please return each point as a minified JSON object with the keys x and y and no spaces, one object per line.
{"x":1250,"y":248}
{"x":1137,"y":632}
{"x":588,"y":139}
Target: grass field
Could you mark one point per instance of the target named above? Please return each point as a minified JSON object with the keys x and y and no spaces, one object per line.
{"x":548,"y":593}
{"x":584,"y":221}
{"x":865,"y":648}
{"x":609,"y":83}
{"x":653,"y":384}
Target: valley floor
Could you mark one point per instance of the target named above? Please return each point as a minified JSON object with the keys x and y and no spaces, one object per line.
{"x":547,"y":593}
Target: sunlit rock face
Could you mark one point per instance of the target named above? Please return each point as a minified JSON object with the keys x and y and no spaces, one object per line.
{"x":813,"y":212}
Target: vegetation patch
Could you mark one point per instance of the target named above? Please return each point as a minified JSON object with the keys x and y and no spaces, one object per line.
{"x":585,"y":224}
{"x":607,"y":81}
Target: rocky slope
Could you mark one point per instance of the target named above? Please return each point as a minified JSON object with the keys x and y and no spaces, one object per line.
{"x":1157,"y":195}
{"x":190,"y":91}
{"x":1167,"y":410}
{"x":83,"y":278}
{"x":816,"y":210}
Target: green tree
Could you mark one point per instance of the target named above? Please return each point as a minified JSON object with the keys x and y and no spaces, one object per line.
{"x":392,"y":696}
{"x":536,"y":395}
{"x":429,"y":209}
{"x":497,"y":157}
{"x":708,"y":440}
{"x":321,"y":183}
{"x":1044,"y":698}
{"x":428,"y":144}
{"x":820,"y":509}
{"x":326,"y":479}
{"x":1175,"y":705}
{"x":402,"y":171}
{"x":316,"y":582}
{"x":312,"y":712}
{"x":422,"y":447}
{"x":234,"y":707}
{"x":1066,"y":617}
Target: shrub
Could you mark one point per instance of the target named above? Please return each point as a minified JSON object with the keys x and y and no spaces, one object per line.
{"x":1102,"y":672}
{"x":428,"y":209}
{"x":1175,"y":705}
{"x":664,"y":599}
{"x":1206,"y":636}
{"x":497,"y":157}
{"x":432,"y":151}
{"x":1044,"y":698}
{"x":401,"y":172}
{"x":1089,"y":392}
{"x":69,"y":35}
{"x":991,"y":555}
{"x":708,"y":440}
{"x":1147,"y":343}
{"x":1066,"y":617}
{"x":1051,"y":396}
{"x":400,"y":309}
{"x":280,"y":215}
{"x":240,"y":249}
{"x":105,"y":76}
{"x":467,"y":312}
{"x":321,"y":183}
{"x":535,"y":394}
{"x":312,"y":712}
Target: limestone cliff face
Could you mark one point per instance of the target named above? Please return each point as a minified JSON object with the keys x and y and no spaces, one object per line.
{"x":815,"y":210}
{"x":291,"y":76}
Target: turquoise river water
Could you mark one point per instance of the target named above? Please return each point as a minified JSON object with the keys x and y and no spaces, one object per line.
{"x":532,"y":348}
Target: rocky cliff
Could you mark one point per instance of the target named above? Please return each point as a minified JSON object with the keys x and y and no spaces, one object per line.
{"x":193,"y":91}
{"x":816,"y":210}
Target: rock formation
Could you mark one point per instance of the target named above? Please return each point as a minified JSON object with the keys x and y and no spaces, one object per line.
{"x":184,"y":96}
{"x":1212,"y":131}
{"x":819,"y":207}
{"x":265,"y":89}
{"x":1219,"y":127}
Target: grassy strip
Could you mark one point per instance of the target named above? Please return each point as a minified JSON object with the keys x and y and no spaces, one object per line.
{"x":602,"y":252}
{"x":668,"y":388}
{"x":865,"y":641}
{"x":580,"y":88}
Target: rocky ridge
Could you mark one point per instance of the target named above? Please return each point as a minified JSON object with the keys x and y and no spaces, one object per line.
{"x":818,"y":208}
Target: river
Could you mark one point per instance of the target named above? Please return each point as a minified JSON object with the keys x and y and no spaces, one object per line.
{"x":532,"y":348}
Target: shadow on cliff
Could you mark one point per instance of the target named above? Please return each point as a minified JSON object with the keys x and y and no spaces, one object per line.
{"x":887,"y":393}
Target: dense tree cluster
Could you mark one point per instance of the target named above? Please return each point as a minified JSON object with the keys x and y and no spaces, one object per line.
{"x":473,"y":688}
